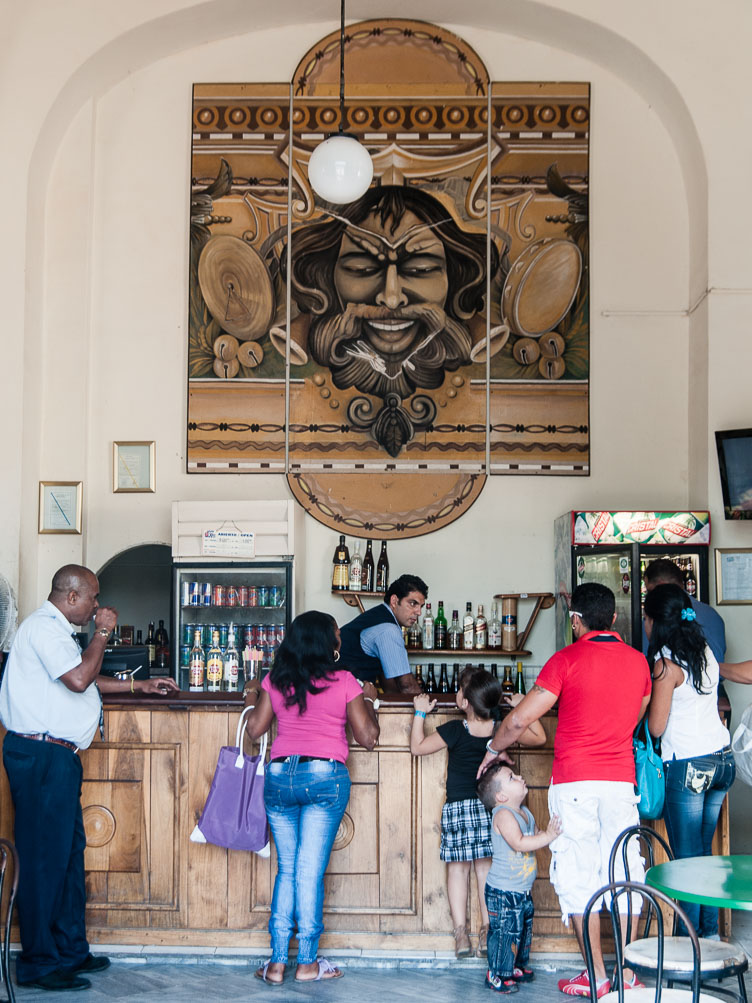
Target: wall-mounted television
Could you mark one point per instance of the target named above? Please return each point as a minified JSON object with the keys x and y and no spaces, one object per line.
{"x":735,"y":463}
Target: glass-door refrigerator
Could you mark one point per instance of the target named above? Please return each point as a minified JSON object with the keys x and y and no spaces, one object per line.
{"x":254,"y":598}
{"x":614,"y":548}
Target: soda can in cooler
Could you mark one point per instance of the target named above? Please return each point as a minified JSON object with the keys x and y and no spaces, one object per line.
{"x":224,"y":633}
{"x":242,"y":595}
{"x":252,"y":595}
{"x":274,"y":595}
{"x":188,"y":633}
{"x":218,"y":595}
{"x":185,"y":656}
{"x":258,"y":635}
{"x":248,"y":635}
{"x":208,"y":633}
{"x":232,"y":596}
{"x":194,"y":594}
{"x":185,"y":593}
{"x":206,"y":593}
{"x":263,"y":595}
{"x":279,"y":635}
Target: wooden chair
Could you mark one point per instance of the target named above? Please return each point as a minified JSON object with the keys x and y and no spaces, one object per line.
{"x":657,"y":993}
{"x":719,"y":960}
{"x":8,"y":854}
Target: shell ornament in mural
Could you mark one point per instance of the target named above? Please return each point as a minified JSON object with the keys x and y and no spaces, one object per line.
{"x":390,"y":354}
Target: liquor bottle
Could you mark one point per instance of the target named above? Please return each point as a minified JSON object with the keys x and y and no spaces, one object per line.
{"x":443,"y":679}
{"x":196,"y":664}
{"x":382,"y":570}
{"x":414,"y":638}
{"x":419,"y":676}
{"x":494,"y":628}
{"x":468,"y":627}
{"x":494,"y":670}
{"x":691,"y":581}
{"x":139,"y":637}
{"x":368,"y":574}
{"x":151,"y":645}
{"x":519,"y":685}
{"x":454,"y":634}
{"x":340,"y":566}
{"x":440,"y":627}
{"x":162,"y":646}
{"x":455,"y":683}
{"x":430,"y":679}
{"x":115,"y":639}
{"x":428,"y":628}
{"x":230,"y":667}
{"x":507,"y":686}
{"x":481,"y":629}
{"x":214,"y":664}
{"x":356,"y":570}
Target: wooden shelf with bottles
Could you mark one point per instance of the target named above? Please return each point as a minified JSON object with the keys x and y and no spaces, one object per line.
{"x":469,"y":654}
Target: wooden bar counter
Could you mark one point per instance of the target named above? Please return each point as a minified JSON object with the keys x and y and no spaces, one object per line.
{"x":144,"y":789}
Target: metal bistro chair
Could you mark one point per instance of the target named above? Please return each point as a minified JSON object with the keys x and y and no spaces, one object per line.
{"x":8,"y":853}
{"x":718,"y":960}
{"x":656,"y":993}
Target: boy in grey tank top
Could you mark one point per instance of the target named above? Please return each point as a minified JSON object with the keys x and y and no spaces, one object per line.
{"x":515,"y":838}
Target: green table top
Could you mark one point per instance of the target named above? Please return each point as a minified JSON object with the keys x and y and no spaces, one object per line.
{"x":721,"y":881}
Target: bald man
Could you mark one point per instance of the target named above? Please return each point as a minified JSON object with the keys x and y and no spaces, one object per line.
{"x":50,"y":705}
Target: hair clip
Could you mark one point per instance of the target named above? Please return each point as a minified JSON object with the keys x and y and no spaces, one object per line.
{"x":688,"y":614}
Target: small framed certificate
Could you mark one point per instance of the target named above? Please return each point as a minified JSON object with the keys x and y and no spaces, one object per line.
{"x":60,"y":506}
{"x":134,"y":466}
{"x":733,"y":576}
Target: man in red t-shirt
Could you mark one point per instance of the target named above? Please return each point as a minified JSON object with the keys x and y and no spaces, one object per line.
{"x":602,"y":686}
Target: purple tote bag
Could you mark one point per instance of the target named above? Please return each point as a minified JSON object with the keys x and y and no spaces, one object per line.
{"x":234,"y":815}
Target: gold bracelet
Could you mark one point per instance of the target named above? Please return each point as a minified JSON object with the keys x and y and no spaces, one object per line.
{"x":133,"y":688}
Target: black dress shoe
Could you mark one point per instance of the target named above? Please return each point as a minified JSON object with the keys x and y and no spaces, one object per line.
{"x":92,"y":963}
{"x":59,"y":982}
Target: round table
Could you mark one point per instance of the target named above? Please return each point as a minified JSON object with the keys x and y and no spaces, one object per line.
{"x":722,"y":881}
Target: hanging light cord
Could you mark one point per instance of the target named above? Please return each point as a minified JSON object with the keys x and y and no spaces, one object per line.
{"x":342,"y":69}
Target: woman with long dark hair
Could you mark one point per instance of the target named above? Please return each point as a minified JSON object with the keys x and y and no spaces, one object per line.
{"x":683,"y":712}
{"x":307,"y":786}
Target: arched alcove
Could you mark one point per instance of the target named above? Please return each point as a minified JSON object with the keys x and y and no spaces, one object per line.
{"x":138,"y":583}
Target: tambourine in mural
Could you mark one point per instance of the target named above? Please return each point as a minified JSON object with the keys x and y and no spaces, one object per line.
{"x":541,"y":286}
{"x":237,"y":287}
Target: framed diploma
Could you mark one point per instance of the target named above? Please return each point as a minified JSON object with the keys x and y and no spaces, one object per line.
{"x":60,"y":506}
{"x":733,"y":576}
{"x":134,"y":466}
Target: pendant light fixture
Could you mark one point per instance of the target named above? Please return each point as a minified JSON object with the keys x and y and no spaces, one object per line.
{"x":340,"y":169}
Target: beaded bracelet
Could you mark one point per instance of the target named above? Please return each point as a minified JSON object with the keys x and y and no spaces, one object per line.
{"x":420,"y":713}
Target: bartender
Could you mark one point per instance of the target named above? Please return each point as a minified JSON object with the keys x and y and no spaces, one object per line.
{"x":373,"y":647}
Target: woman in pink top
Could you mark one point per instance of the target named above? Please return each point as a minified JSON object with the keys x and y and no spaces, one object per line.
{"x":307,"y":786}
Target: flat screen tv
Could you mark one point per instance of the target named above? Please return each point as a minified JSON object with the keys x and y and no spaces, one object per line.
{"x":735,"y":464}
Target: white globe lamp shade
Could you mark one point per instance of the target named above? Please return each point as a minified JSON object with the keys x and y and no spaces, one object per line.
{"x":340,"y":170}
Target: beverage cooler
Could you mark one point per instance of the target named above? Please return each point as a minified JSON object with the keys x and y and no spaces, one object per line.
{"x":252,"y":600}
{"x":614,"y":548}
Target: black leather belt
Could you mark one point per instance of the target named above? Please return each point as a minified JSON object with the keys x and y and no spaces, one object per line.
{"x":41,"y":737}
{"x":303,"y":759}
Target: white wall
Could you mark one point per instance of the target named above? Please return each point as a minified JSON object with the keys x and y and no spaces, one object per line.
{"x":95,"y":292}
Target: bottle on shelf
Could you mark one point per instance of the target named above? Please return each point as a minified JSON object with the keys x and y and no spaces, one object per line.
{"x":468,"y":628}
{"x":454,"y":686}
{"x":162,"y":646}
{"x":454,"y":634}
{"x":443,"y":679}
{"x":115,"y":639}
{"x":340,"y":566}
{"x":419,"y":676}
{"x":382,"y":570}
{"x":139,"y":637}
{"x":151,"y":645}
{"x":196,"y":664}
{"x":507,"y":684}
{"x":428,"y":628}
{"x":368,"y":573}
{"x":214,"y":665}
{"x":519,"y":683}
{"x":480,"y":629}
{"x":690,"y":580}
{"x":440,"y":627}
{"x":494,"y":670}
{"x":494,"y":628}
{"x":414,"y":638}
{"x":354,"y":583}
{"x":231,"y":666}
{"x":431,"y":679}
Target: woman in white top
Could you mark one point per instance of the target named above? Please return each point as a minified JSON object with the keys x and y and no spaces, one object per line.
{"x":695,"y":748}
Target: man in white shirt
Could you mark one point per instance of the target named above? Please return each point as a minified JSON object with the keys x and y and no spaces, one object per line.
{"x":51,"y":708}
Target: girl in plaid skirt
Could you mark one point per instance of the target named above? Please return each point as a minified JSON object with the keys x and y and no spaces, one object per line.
{"x":465,"y":823}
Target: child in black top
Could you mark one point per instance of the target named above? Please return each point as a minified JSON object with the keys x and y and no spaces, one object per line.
{"x":465,"y":822}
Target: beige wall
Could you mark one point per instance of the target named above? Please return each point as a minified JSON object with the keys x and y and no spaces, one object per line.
{"x":95,"y":103}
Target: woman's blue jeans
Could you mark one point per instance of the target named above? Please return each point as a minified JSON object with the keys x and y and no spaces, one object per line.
{"x":305,"y":803}
{"x":695,"y":789}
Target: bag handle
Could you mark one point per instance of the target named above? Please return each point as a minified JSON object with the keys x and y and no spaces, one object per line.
{"x":239,"y":737}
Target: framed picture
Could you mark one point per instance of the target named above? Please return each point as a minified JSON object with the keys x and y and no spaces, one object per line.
{"x":60,"y":506}
{"x":134,"y":467}
{"x":733,"y":576}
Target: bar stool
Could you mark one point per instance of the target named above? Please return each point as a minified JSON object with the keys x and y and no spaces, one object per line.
{"x":718,"y":960}
{"x":8,"y":855}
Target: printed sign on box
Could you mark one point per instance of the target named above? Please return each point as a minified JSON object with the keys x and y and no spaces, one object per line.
{"x":227,"y":543}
